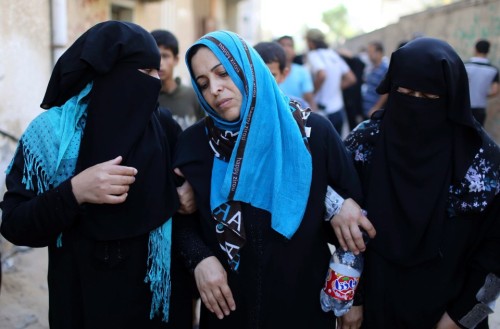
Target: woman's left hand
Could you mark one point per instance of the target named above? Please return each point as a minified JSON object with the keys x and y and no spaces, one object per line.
{"x":211,"y":280}
{"x":446,"y":323}
{"x":186,"y":196}
{"x":352,"y":319}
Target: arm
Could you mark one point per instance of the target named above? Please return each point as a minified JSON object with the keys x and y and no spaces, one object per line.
{"x":494,"y":89}
{"x":344,"y":180}
{"x":184,"y":190}
{"x":36,"y":220}
{"x":209,"y":274}
{"x":482,"y":286}
{"x":309,"y":98}
{"x":348,"y":79}
{"x":319,"y":79}
{"x":379,"y":104}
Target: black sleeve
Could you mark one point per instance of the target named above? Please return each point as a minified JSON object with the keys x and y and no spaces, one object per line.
{"x":188,"y":230}
{"x":482,"y":285}
{"x":342,"y":175}
{"x":171,"y":128}
{"x":187,"y":240}
{"x":35,"y":220}
{"x":335,"y":166}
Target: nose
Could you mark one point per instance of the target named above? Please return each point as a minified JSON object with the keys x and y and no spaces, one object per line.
{"x":215,"y":87}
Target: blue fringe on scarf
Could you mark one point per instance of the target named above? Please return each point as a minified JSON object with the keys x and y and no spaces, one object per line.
{"x":50,"y":147}
{"x":158,"y":275}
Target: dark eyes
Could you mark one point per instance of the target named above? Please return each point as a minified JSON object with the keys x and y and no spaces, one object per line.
{"x":416,"y":93}
{"x":203,"y":83}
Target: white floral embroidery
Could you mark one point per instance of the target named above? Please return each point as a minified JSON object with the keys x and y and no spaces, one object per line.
{"x":472,"y":194}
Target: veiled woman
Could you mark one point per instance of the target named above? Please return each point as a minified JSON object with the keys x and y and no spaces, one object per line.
{"x":431,"y":177}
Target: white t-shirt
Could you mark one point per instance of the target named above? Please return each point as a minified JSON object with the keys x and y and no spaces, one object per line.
{"x":330,"y":93}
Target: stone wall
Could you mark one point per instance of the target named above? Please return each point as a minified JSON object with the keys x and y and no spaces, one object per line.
{"x":461,"y":24}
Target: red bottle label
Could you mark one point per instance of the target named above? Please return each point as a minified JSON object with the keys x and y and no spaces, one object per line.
{"x":341,"y":287}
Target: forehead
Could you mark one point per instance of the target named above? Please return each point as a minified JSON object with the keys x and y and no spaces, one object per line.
{"x":286,"y":42}
{"x":165,"y":50}
{"x":203,"y":61}
{"x":274,"y":66}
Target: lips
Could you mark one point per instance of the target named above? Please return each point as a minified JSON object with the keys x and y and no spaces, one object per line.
{"x":223,"y":103}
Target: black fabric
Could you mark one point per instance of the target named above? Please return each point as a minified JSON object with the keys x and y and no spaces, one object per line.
{"x":353,"y":99}
{"x":103,"y":277}
{"x":120,"y":121}
{"x":402,"y":297}
{"x":96,"y":279}
{"x":424,"y":144}
{"x":279,"y":280}
{"x":119,"y":298}
{"x":479,"y":114}
{"x":96,"y":52}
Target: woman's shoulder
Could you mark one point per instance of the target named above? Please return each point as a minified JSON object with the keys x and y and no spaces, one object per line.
{"x":490,"y":149}
{"x":194,"y":132}
{"x":365,"y":132}
{"x":192,"y":140}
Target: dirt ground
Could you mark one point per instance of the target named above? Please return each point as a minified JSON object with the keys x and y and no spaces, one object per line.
{"x":23,"y":295}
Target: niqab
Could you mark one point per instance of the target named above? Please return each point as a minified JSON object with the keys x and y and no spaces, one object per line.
{"x":120,"y":121}
{"x":424,"y":145}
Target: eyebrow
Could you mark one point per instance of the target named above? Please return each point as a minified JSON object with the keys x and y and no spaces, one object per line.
{"x":211,"y":70}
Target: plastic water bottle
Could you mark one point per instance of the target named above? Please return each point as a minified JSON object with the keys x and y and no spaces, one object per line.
{"x":341,"y":282}
{"x":345,"y":267}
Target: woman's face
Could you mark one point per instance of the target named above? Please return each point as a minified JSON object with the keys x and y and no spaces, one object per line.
{"x":216,"y":85}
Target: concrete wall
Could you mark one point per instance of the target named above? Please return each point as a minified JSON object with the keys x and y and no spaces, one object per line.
{"x":25,"y":66}
{"x":25,"y":61}
{"x":461,"y":24}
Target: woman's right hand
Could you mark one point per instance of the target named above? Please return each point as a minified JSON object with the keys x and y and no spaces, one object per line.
{"x":106,"y":182}
{"x":211,"y":279}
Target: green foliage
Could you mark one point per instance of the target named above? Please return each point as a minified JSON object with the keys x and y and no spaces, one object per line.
{"x":337,"y":21}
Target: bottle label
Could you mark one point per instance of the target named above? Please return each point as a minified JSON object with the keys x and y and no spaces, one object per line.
{"x":339,"y":286}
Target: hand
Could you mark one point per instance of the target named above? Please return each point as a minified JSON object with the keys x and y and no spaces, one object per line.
{"x":211,"y":280}
{"x":346,"y":226}
{"x":352,"y":319}
{"x":186,"y":196}
{"x":371,"y":111}
{"x":446,"y":323}
{"x":106,"y":182}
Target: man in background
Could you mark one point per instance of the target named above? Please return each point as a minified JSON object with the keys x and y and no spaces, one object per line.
{"x":179,"y":99}
{"x":331,"y":75}
{"x":483,"y":80}
{"x":373,"y":101}
{"x":353,"y":100}
{"x":297,"y":81}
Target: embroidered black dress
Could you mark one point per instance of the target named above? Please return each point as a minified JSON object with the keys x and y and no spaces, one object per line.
{"x":278,"y":282}
{"x":394,"y":294}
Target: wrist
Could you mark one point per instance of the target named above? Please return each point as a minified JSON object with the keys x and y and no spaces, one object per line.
{"x":333,"y":203}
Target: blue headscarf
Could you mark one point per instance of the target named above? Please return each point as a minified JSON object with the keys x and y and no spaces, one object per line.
{"x":274,"y":166}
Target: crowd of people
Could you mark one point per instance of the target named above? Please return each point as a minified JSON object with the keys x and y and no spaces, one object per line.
{"x":151,"y":195}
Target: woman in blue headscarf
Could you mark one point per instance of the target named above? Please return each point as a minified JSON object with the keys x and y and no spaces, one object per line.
{"x":92,"y":180}
{"x":259,"y":167}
